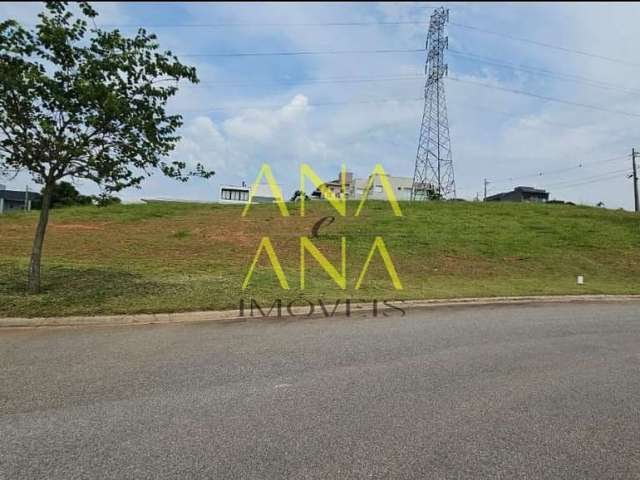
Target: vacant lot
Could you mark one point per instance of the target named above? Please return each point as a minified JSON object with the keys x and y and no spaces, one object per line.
{"x":176,"y":257}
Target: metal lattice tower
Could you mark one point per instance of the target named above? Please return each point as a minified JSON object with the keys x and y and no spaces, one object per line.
{"x":433,"y":176}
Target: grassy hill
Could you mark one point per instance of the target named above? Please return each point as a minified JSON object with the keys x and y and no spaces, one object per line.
{"x":178,"y":257}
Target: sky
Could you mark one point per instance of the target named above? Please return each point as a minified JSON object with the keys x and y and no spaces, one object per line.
{"x":578,"y":70}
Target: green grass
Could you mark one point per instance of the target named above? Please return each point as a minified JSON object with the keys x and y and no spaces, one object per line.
{"x":180,"y":257}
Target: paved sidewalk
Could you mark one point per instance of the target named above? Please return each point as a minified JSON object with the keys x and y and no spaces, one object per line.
{"x":303,"y":311}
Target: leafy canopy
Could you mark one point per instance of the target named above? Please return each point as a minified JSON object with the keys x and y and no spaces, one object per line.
{"x":87,"y":103}
{"x":65,"y":194}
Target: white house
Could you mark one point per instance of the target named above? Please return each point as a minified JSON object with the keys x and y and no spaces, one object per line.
{"x":240,"y":194}
{"x":355,"y":187}
{"x":401,"y":186}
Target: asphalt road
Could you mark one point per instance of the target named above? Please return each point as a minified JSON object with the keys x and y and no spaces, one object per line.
{"x":505,"y":392}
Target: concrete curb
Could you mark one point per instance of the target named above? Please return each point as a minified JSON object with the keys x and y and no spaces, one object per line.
{"x":300,"y":312}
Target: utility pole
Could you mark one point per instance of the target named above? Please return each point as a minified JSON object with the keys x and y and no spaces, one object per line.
{"x":635,"y":179}
{"x":486,"y":182}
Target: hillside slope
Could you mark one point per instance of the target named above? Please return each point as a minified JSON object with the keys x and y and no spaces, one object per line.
{"x":174,"y":257}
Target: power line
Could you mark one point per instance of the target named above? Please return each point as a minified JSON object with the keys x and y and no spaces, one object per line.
{"x":358,"y":23}
{"x":561,"y":170}
{"x":260,"y":25}
{"x":488,"y":60}
{"x":302,"y":52}
{"x":307,"y":81}
{"x":586,"y":180}
{"x":479,"y":58}
{"x":587,"y":183}
{"x":544,"y":97}
{"x":318,"y":104}
{"x":485,"y":85}
{"x":377,"y":23}
{"x":544,"y":44}
{"x":346,"y":80}
{"x":170,"y":3}
{"x":514,"y":114}
{"x":545,"y":72}
{"x":465,"y":105}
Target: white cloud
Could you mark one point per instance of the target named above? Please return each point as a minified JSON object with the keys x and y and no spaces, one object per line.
{"x":257,"y":125}
{"x":236,"y":146}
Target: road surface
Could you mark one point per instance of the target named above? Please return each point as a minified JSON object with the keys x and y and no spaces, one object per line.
{"x":484,"y":392}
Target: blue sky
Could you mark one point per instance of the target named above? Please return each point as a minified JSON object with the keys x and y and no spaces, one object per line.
{"x":361,"y":109}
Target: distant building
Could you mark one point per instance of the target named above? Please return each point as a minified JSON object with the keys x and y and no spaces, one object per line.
{"x":335,"y":186}
{"x":521,"y":194}
{"x":15,"y":200}
{"x":401,"y":186}
{"x":240,"y":194}
{"x":355,"y":187}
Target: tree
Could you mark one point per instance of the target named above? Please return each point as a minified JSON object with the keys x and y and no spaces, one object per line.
{"x":297,"y":195}
{"x":105,"y":199}
{"x":86,"y":103}
{"x":64,"y":194}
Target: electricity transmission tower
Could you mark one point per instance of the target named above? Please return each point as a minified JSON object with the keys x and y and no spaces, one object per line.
{"x":433,"y":177}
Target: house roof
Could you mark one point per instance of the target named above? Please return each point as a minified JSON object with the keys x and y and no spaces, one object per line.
{"x":497,"y":196}
{"x":18,"y":196}
{"x":521,"y":189}
{"x":530,"y":190}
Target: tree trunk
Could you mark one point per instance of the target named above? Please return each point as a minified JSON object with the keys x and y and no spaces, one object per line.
{"x":38,"y":241}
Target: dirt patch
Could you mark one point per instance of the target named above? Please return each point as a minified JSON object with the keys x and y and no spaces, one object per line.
{"x":236,"y":238}
{"x":78,"y":226}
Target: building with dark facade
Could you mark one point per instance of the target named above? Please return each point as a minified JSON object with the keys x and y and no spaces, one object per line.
{"x":15,"y":200}
{"x":521,"y":194}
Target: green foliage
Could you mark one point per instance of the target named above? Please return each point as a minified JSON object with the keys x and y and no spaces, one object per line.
{"x":105,"y":200}
{"x":297,"y":195}
{"x":86,"y":103}
{"x":65,"y":194}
